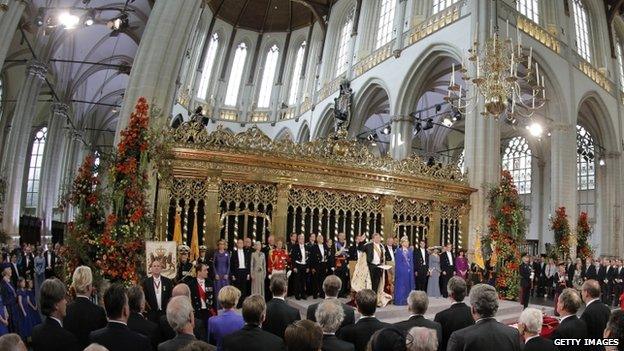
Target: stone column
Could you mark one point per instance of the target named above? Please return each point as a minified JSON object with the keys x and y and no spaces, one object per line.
{"x":50,"y":171}
{"x":17,"y":146}
{"x":401,"y":135}
{"x":157,"y":63}
{"x":399,"y":26}
{"x":563,"y":187}
{"x":9,"y":20}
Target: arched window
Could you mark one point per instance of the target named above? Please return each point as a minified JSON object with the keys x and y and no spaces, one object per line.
{"x":268,"y":76}
{"x":386,"y":23}
{"x":236,"y":75}
{"x":581,"y":27}
{"x":343,"y":45}
{"x":439,"y":5}
{"x":209,"y":62}
{"x":34,"y":168}
{"x":517,"y":160}
{"x":620,"y":63}
{"x":586,"y":171}
{"x":296,"y":75}
{"x":585,"y":159}
{"x":529,"y":8}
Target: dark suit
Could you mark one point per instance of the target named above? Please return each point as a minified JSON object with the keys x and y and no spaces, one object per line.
{"x":421,"y":321}
{"x":300,"y":262}
{"x":447,"y":266}
{"x":539,"y":344}
{"x":456,"y":317}
{"x":252,"y":338}
{"x":83,"y":317}
{"x":118,"y":337}
{"x":421,"y":269}
{"x":570,"y":328}
{"x":525,"y":284}
{"x":596,"y":315}
{"x":591,"y":272}
{"x":332,"y":343}
{"x":240,"y":276}
{"x":318,"y":266}
{"x":166,"y":286}
{"x":278,"y":316}
{"x":16,"y":273}
{"x":359,"y":333}
{"x":196,"y":300}
{"x":167,"y":333}
{"x":28,"y":265}
{"x":374,"y":271}
{"x":50,"y":336}
{"x":138,"y":323}
{"x":179,"y":342}
{"x":349,"y":314}
{"x":486,"y":334}
{"x":50,"y":262}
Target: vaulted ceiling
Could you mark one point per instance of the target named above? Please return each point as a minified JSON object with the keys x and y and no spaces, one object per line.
{"x":270,"y":15}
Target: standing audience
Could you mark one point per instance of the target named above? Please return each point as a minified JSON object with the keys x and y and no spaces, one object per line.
{"x":303,"y":335}
{"x":136,"y":321}
{"x":421,"y":339}
{"x":329,"y":315}
{"x":278,"y":313}
{"x":487,"y":333}
{"x":456,"y":317}
{"x":166,"y":332}
{"x":615,"y":330}
{"x":181,"y":318}
{"x":596,"y":313}
{"x":251,"y":337}
{"x":83,"y":316}
{"x":570,"y":326}
{"x":529,"y":326}
{"x":116,"y":336}
{"x":418,"y":302}
{"x":157,"y":291}
{"x":12,"y":342}
{"x":359,"y":333}
{"x":332,"y":285}
{"x":228,"y":321}
{"x":50,"y":335}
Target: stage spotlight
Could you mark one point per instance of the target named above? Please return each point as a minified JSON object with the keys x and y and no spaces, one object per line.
{"x":601,"y":162}
{"x":118,"y":24}
{"x":386,"y":130}
{"x":39,"y":18}
{"x":457,"y":116}
{"x":447,"y":121}
{"x":67,"y":20}
{"x":89,"y":18}
{"x":428,"y":124}
{"x":535,"y":129}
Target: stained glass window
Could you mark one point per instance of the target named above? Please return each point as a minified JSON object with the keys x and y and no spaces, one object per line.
{"x":268,"y":77}
{"x":342,"y":61}
{"x":296,"y":75}
{"x":620,"y":62}
{"x":585,"y":159}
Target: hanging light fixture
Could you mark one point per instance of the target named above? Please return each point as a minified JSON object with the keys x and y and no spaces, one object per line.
{"x":507,"y":79}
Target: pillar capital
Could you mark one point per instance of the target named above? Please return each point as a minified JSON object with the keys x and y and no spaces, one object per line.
{"x":59,"y":108}
{"x":37,"y":69}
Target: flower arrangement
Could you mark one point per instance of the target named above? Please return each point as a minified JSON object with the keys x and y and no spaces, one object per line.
{"x":86,"y":197}
{"x":559,"y":224}
{"x":507,"y":231}
{"x":583,"y":232}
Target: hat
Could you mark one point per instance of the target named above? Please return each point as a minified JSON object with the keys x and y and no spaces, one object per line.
{"x":202,"y":248}
{"x":183,"y":249}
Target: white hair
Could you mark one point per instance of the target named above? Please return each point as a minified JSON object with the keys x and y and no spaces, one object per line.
{"x":329,"y":315}
{"x":421,"y":339}
{"x":532,"y":320}
{"x":95,"y":347}
{"x":179,"y":310}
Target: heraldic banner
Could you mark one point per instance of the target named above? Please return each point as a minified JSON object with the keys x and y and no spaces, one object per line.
{"x":165,"y":252}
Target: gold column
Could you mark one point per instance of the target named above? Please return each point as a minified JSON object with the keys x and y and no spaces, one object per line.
{"x":387,"y":212}
{"x":433,"y":234}
{"x":280,"y":212}
{"x":212,"y":223}
{"x":465,"y":227}
{"x":162,"y":209}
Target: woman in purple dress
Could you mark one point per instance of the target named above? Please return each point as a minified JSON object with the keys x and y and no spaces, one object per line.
{"x":9,"y":297}
{"x":221,"y":266}
{"x":31,"y":304}
{"x":403,"y":272}
{"x":461,"y":265}
{"x":4,"y":318}
{"x":25,"y":329}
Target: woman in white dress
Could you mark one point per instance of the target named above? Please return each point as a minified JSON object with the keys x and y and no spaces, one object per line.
{"x":361,"y":276}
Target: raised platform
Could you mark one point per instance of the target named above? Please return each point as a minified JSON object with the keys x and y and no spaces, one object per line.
{"x":508,"y":311}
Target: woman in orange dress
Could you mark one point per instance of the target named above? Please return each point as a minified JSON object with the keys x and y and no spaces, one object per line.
{"x":278,"y":259}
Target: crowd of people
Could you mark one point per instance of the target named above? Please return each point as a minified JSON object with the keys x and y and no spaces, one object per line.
{"x":237,"y":300}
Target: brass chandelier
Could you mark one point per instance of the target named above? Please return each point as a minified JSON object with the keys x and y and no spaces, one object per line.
{"x":507,"y":78}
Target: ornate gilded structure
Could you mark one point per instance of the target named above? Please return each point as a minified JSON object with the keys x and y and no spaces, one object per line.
{"x":247,"y":185}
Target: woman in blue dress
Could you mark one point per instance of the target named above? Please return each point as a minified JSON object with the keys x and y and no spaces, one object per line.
{"x":221,"y":266}
{"x":9,"y":297}
{"x":4,"y":318}
{"x":31,"y":305}
{"x":433,"y":285}
{"x":39,"y":272}
{"x":25,"y":329}
{"x":403,"y":272}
